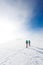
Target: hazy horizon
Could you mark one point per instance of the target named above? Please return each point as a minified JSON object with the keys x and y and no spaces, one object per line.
{"x":21,"y":20}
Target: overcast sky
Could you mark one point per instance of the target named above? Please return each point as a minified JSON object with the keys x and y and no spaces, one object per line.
{"x":21,"y":19}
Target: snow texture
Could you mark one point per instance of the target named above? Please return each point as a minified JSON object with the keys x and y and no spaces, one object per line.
{"x":26,"y":56}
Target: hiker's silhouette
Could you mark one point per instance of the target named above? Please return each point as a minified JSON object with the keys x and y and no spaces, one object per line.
{"x":26,"y":43}
{"x":29,"y":42}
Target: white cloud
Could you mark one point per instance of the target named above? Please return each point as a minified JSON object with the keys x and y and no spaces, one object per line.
{"x":13,"y":21}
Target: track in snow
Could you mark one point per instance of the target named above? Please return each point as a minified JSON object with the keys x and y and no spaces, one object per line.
{"x":27,"y":56}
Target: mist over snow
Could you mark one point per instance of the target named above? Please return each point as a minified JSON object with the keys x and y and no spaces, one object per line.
{"x":21,"y":19}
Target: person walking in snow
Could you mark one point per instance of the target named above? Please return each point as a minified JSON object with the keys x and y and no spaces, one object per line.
{"x":29,"y":42}
{"x":26,"y":43}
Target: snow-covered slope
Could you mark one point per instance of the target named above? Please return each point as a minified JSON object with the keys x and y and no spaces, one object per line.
{"x":26,"y":56}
